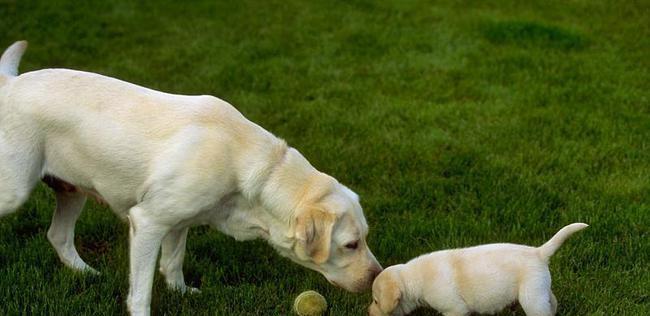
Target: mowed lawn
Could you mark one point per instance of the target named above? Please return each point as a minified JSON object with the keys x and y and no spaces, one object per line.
{"x":457,"y":122}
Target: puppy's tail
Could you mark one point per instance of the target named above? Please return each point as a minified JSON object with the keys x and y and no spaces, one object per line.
{"x":551,"y":246}
{"x":11,"y":58}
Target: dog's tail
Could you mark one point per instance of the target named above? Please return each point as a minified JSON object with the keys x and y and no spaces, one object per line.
{"x":551,"y":246}
{"x":11,"y":58}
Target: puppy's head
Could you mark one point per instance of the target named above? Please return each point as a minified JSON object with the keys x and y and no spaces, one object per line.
{"x":386,"y":294}
{"x":330,"y":237}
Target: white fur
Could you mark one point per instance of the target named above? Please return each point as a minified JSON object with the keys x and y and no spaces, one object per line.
{"x":167,"y":162}
{"x":482,"y":279}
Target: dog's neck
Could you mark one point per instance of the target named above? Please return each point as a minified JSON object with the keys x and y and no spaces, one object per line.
{"x":273,"y":188}
{"x":293,"y":184}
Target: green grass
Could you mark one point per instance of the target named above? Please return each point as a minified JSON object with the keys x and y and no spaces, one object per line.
{"x":457,"y":122}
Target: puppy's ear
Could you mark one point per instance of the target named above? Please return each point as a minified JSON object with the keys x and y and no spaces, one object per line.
{"x":313,"y":232}
{"x":389,"y":295}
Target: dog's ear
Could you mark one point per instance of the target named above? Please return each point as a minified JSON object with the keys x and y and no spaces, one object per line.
{"x":313,"y":233}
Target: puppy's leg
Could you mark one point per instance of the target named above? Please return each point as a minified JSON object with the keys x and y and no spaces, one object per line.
{"x":455,"y":314}
{"x":535,"y":299}
{"x":11,"y":199}
{"x":145,"y":238}
{"x":12,"y":195}
{"x":458,"y":309}
{"x":20,"y":168}
{"x":61,"y":232}
{"x":553,"y":303}
{"x":171,"y":260}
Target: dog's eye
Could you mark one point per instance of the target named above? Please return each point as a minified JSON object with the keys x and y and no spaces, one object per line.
{"x":352,"y":245}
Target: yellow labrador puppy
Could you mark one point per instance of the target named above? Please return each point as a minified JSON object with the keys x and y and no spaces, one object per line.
{"x":166,"y":162}
{"x":482,"y":279}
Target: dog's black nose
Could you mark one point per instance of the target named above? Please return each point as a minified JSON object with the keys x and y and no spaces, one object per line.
{"x":375,"y":272}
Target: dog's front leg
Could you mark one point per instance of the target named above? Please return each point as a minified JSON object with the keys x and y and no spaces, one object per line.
{"x":145,"y":239}
{"x":171,"y":260}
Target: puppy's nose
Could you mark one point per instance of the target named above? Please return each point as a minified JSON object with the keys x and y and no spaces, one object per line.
{"x":372,"y":310}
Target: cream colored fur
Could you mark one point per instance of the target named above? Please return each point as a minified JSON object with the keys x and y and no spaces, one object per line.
{"x":167,"y":162}
{"x":482,"y":279}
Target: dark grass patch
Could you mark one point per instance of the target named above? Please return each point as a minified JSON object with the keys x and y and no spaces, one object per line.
{"x":533,"y":34}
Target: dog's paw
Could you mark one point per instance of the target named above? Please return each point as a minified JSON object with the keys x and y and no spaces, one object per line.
{"x":84,"y":268}
{"x":92,"y":271}
{"x":192,"y":290}
{"x":184,"y":289}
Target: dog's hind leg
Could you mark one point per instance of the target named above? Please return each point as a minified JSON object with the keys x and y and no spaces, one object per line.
{"x":171,"y":260}
{"x":69,"y":204}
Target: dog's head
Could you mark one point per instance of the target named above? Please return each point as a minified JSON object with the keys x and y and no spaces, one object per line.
{"x":386,"y":294}
{"x":326,"y":229}
{"x":329,"y":232}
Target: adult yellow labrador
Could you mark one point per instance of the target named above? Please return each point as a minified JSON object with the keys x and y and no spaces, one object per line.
{"x":167,"y":162}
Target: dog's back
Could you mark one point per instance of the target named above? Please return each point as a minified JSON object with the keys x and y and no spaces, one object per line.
{"x":105,"y":134}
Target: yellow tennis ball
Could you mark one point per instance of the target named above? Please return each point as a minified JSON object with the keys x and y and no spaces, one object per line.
{"x":310,"y":303}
